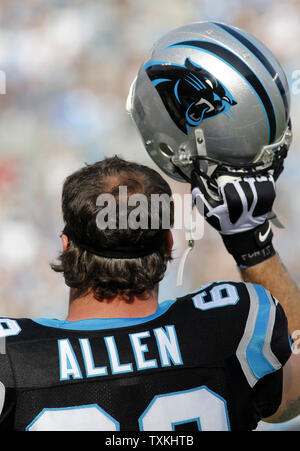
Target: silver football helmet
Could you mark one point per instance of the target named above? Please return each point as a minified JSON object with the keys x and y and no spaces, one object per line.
{"x":213,"y":98}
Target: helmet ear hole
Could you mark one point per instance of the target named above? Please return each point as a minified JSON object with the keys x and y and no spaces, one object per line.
{"x":166,"y":150}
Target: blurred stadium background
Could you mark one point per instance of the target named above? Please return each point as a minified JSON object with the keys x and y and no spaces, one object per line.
{"x":68,"y":68}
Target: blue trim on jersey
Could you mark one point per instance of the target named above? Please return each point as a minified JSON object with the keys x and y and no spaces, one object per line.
{"x":141,"y":363}
{"x":69,"y":365}
{"x":181,"y":392}
{"x":257,"y":361}
{"x":191,"y":420}
{"x":59,"y":409}
{"x":104,"y":323}
{"x":116,"y":366}
{"x":95,"y":371}
{"x":169,"y":357}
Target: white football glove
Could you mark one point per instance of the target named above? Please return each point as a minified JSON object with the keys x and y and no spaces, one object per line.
{"x":242,"y":204}
{"x":239,"y":211}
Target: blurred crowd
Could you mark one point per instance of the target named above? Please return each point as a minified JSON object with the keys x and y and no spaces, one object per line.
{"x":68,"y":67}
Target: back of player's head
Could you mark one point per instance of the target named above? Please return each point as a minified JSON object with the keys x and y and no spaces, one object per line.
{"x":116,"y":230}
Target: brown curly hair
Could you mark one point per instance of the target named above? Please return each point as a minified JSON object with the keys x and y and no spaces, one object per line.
{"x":108,"y":277}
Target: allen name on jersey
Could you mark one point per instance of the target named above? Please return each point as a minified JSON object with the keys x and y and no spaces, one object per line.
{"x":166,"y":345}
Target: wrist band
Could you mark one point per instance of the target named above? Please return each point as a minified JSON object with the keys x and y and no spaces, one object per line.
{"x":251,"y":247}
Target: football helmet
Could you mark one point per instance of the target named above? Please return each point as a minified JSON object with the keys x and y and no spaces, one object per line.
{"x":213,"y":98}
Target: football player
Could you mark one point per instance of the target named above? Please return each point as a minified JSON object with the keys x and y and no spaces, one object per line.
{"x":212,"y":106}
{"x":218,"y":358}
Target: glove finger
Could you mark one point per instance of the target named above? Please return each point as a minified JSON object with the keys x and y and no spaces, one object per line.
{"x":198,"y":182}
{"x":246,"y":187}
{"x":235,"y":203}
{"x":200,"y":202}
{"x":265,"y":197}
{"x":241,"y":194}
{"x":214,"y":221}
{"x":205,"y":209}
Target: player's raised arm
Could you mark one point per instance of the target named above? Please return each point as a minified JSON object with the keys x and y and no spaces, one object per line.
{"x":240,"y":215}
{"x":273,"y":275}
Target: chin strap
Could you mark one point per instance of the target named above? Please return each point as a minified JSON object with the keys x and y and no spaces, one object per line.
{"x":191,"y":243}
{"x":182,"y":263}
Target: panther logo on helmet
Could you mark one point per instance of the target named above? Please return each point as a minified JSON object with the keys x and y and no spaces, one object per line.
{"x":189,"y":93}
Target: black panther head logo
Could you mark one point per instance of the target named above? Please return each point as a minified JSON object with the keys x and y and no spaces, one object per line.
{"x":189,"y":93}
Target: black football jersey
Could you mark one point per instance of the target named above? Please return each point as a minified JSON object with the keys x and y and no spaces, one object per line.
{"x":211,"y":360}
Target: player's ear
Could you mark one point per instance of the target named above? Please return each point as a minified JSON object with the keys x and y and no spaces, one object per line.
{"x":169,"y":239}
{"x":65,"y":241}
